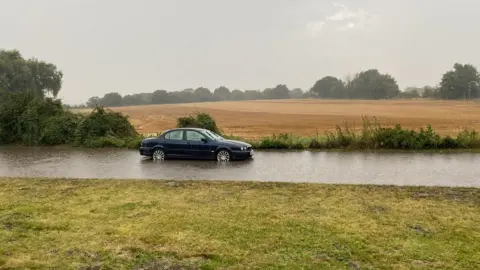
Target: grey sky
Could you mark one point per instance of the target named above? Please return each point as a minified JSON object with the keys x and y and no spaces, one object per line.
{"x":139,"y":46}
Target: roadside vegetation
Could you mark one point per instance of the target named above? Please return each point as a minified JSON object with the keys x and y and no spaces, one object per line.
{"x":370,"y":136}
{"x":30,"y":113}
{"x":138,"y":224}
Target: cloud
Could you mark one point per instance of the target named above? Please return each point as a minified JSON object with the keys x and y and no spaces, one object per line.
{"x":343,"y":19}
{"x":315,"y":27}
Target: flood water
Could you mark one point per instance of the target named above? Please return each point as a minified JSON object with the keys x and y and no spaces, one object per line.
{"x":431,"y":169}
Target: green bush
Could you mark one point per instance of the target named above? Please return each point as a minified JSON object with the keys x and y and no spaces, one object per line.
{"x":107,"y":141}
{"x":468,"y":139}
{"x":201,"y":120}
{"x":133,"y":142}
{"x":100,"y":124}
{"x":26,"y":118}
{"x":33,"y":120}
{"x":282,"y":141}
{"x":60,"y":129}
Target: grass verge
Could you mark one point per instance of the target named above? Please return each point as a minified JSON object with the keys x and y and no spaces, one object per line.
{"x":137,"y":224}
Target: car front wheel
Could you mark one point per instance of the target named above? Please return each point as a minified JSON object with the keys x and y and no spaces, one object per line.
{"x":158,"y":154}
{"x":223,"y":156}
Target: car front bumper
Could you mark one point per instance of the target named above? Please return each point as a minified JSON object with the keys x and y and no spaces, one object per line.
{"x":243,"y":154}
{"x":145,"y":151}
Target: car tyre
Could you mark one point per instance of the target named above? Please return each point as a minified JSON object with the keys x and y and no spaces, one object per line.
{"x":223,"y":155}
{"x":158,"y":154}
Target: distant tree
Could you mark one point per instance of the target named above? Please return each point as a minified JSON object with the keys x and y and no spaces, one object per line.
{"x":93,"y":102}
{"x":222,"y":93}
{"x":410,"y":93}
{"x":328,"y":87}
{"x":160,"y":97}
{"x":371,"y":84}
{"x":203,"y":94}
{"x":280,"y":91}
{"x":129,"y":100}
{"x":296,"y":93}
{"x":238,"y":95}
{"x":430,"y":92}
{"x":252,"y":94}
{"x":463,"y":82}
{"x":184,"y":96}
{"x":267,"y":93}
{"x":113,"y":99}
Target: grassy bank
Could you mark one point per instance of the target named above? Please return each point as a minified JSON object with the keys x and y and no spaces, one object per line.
{"x":115,"y":224}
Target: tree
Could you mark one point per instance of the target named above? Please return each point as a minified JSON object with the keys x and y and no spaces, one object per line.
{"x":160,"y":97}
{"x":371,"y":84}
{"x":129,"y":100}
{"x":93,"y":102}
{"x":410,"y":93}
{"x":238,"y":95}
{"x":328,"y":87}
{"x":113,"y":99}
{"x":463,"y":82}
{"x":203,"y":94}
{"x":252,"y":94}
{"x":430,"y":92}
{"x":280,"y":91}
{"x":19,"y":74}
{"x":296,"y":93}
{"x":222,"y":93}
{"x":183,"y":96}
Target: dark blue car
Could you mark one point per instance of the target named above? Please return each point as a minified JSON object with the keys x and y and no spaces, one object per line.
{"x":194,"y":143}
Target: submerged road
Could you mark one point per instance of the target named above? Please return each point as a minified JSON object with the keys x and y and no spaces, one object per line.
{"x":429,"y":169}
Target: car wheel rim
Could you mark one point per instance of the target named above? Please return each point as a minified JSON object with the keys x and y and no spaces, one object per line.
{"x":223,"y":156}
{"x":158,"y":155}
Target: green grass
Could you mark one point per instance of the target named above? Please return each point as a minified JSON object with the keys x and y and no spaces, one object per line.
{"x":137,"y":224}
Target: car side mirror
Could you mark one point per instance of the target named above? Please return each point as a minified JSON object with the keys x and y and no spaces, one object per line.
{"x":204,"y":140}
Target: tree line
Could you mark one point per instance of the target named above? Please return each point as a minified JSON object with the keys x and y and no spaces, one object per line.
{"x":462,"y":82}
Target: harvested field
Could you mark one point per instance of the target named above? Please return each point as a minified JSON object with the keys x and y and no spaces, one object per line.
{"x":253,"y":119}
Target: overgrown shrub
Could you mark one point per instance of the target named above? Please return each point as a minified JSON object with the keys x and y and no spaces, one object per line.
{"x":468,"y":139}
{"x":33,"y":120}
{"x":282,"y":141}
{"x":107,"y":141}
{"x":101,"y":124}
{"x":60,"y":129}
{"x":201,"y":120}
{"x":24,"y":117}
{"x":373,"y":136}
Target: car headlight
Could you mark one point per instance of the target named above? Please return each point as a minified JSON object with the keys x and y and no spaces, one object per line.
{"x":243,"y":148}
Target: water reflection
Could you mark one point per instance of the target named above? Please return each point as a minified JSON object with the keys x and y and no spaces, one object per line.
{"x":328,"y":167}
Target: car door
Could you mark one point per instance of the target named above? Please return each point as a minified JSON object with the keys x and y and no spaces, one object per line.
{"x":198,"y":148}
{"x":175,"y":145}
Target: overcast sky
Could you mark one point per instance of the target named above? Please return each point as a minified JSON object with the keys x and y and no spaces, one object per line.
{"x":139,"y":46}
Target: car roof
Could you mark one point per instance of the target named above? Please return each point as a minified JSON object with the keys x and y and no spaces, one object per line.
{"x":187,"y":128}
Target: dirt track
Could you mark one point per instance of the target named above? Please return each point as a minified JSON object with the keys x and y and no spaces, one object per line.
{"x":252,"y":119}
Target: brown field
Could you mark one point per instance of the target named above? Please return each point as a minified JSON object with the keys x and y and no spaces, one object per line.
{"x":253,"y":119}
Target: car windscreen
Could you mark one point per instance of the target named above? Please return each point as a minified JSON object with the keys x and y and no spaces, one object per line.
{"x":213,"y":135}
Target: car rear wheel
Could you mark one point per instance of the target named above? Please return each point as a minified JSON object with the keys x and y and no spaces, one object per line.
{"x":158,"y":154}
{"x":223,"y":156}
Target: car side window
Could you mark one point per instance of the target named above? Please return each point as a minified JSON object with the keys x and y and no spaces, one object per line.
{"x":194,"y":136}
{"x":174,"y":135}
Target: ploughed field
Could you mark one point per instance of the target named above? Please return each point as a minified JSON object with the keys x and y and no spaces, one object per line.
{"x":254,"y":119}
